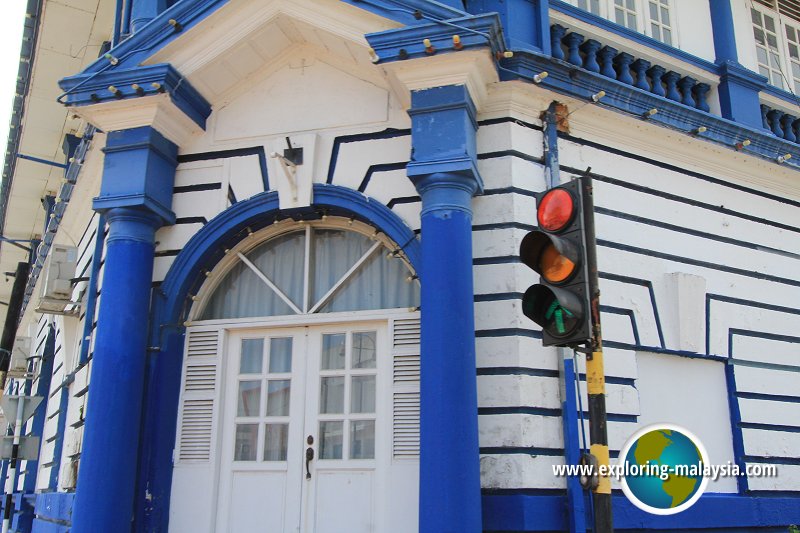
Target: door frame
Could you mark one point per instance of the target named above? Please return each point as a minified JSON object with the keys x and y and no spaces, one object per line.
{"x":226,"y":327}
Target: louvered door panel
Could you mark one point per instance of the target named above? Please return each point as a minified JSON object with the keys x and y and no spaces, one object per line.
{"x":405,"y":394}
{"x":198,"y":396}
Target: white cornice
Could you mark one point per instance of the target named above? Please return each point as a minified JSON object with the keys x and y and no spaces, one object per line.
{"x":157,"y":111}
{"x":631,"y":134}
{"x":474,"y":69}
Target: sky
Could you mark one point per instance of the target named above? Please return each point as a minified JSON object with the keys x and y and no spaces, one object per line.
{"x":11,"y":24}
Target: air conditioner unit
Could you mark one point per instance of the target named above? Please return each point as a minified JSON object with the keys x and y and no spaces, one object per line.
{"x":59,"y":269}
{"x":20,"y":355}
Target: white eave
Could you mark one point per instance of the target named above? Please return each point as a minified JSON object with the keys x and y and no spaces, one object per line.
{"x":71,"y":33}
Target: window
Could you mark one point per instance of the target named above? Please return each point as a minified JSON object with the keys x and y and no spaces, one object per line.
{"x":651,"y":17}
{"x":320,"y":268}
{"x":776,"y":33}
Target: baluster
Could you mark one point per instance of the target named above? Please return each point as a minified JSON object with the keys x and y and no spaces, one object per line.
{"x":557,"y":32}
{"x":671,"y":79}
{"x":656,"y":73}
{"x":774,"y":118}
{"x":623,"y":62}
{"x":701,"y":95}
{"x":573,"y":41}
{"x":607,"y":61}
{"x":764,"y":120}
{"x":640,"y":67}
{"x":786,"y":122}
{"x":686,"y":84}
{"x":590,"y":48}
{"x":796,"y":128}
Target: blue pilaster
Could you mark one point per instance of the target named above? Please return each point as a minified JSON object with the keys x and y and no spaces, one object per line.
{"x":738,"y":94}
{"x":738,"y":86}
{"x":723,"y":31}
{"x":443,"y":169}
{"x":526,"y":23}
{"x":135,"y":195}
{"x":143,"y":11}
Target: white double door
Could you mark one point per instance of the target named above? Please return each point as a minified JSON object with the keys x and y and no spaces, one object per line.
{"x":306,"y":423}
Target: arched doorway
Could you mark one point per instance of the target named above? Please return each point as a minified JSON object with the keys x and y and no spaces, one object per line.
{"x":299,"y":406}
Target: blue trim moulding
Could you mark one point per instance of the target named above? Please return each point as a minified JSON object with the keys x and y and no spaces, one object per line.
{"x":580,"y":83}
{"x":639,"y":38}
{"x":171,"y":303}
{"x":156,"y":34}
{"x":406,"y":43}
{"x":523,"y":512}
{"x":152,"y":80}
{"x":409,"y":12}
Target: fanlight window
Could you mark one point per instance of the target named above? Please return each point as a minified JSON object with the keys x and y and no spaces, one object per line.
{"x":312,"y":270}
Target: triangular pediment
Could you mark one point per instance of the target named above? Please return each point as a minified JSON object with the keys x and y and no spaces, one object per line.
{"x":246,"y":40}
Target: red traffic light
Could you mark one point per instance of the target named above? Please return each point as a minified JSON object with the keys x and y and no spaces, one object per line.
{"x":555,"y":210}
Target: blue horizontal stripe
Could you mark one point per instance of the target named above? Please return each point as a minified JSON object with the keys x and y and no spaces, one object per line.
{"x":503,"y":225}
{"x":772,"y":460}
{"x":539,"y":411}
{"x":516,"y":371}
{"x":508,"y":332}
{"x":768,"y":397}
{"x":674,"y":168}
{"x":498,"y":297}
{"x":695,"y":233}
{"x":696,"y":262}
{"x":503,"y":450}
{"x":753,"y":303}
{"x":769,"y":427}
{"x":765,"y":335}
{"x":504,"y":120}
{"x":510,"y":190}
{"x":510,"y":153}
{"x":688,"y":201}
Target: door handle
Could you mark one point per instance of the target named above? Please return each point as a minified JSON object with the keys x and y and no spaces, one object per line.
{"x":309,"y":458}
{"x":309,"y":455}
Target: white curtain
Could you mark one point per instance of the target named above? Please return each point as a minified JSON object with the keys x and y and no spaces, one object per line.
{"x":379,"y":283}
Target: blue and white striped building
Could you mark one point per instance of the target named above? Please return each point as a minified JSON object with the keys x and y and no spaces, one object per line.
{"x":290,"y":235}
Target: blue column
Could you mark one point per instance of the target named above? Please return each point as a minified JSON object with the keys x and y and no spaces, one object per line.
{"x":526,"y":23}
{"x":143,"y":11}
{"x":738,"y":86}
{"x":135,"y":196}
{"x":444,"y":172}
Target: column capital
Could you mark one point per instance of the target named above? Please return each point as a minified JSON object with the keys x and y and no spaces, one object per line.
{"x":138,"y":173}
{"x":443,"y":164}
{"x":152,"y":95}
{"x":474,"y":69}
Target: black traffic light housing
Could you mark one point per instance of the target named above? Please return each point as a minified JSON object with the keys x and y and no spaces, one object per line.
{"x":560,"y":302}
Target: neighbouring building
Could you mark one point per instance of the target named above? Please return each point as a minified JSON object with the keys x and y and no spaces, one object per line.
{"x":262,"y":259}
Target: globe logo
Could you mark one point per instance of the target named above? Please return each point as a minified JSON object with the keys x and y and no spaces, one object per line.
{"x":662,"y":467}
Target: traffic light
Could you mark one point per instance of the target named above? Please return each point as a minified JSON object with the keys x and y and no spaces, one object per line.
{"x":560,"y":302}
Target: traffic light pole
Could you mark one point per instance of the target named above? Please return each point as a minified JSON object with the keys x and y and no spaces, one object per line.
{"x":595,"y":375}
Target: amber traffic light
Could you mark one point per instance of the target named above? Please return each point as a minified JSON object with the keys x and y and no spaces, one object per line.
{"x":557,"y":252}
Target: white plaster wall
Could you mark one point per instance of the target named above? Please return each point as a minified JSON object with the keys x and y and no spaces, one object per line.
{"x":647,"y":201}
{"x":745,"y":43}
{"x":693,"y":24}
{"x":691,"y":393}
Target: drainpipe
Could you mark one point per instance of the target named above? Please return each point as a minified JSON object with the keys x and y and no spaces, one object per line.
{"x":566,"y":361}
{"x":12,"y":319}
